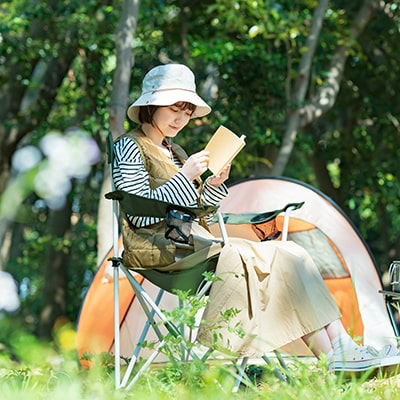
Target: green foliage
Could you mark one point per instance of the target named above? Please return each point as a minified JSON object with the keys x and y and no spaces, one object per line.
{"x":245,"y":55}
{"x":187,"y":314}
{"x":79,"y":244}
{"x":251,"y":50}
{"x":30,"y":369}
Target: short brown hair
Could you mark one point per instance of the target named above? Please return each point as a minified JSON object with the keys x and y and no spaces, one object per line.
{"x":146,"y":113}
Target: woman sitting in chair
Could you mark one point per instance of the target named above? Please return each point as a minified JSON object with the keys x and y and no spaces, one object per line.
{"x":275,"y":286}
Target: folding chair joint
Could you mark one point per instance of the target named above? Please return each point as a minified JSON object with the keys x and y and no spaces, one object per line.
{"x":116,"y":261}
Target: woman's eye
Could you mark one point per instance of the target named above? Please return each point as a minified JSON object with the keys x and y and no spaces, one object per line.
{"x":189,"y":113}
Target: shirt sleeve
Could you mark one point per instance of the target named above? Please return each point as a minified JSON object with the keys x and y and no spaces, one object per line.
{"x":212,"y":194}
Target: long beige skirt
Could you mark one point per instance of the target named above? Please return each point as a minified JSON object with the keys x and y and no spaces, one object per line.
{"x":269,"y":294}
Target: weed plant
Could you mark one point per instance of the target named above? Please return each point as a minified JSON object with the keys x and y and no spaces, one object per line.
{"x":63,"y":378}
{"x":30,"y":369}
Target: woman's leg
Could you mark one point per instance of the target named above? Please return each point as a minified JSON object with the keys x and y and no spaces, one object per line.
{"x":318,"y":342}
{"x":336,"y":329}
{"x":326,"y":339}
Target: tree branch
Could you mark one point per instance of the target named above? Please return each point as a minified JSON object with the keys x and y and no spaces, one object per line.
{"x":301,"y":115}
{"x":300,"y":90}
{"x":326,"y":96}
{"x":123,"y":43}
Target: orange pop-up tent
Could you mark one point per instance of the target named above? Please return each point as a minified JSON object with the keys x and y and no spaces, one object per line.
{"x":345,"y":262}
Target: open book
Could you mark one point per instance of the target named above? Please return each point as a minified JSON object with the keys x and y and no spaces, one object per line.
{"x":223,"y":147}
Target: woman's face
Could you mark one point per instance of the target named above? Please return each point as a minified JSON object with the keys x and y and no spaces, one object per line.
{"x":171,"y":119}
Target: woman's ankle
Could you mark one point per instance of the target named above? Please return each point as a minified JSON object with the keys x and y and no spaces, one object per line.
{"x":342,"y":342}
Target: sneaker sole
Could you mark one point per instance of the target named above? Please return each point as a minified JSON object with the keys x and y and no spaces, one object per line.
{"x":354,"y":366}
{"x":388,"y":365}
{"x":390,"y":361}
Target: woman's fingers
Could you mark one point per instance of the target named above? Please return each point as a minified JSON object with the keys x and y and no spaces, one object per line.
{"x":196,"y":164}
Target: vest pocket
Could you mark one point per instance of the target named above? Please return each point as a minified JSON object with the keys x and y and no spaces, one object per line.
{"x":147,"y":247}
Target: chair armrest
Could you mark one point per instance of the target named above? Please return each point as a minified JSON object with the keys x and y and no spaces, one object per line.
{"x":256,"y":218}
{"x":139,"y":206}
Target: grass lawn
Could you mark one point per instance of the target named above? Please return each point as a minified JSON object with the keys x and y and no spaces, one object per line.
{"x":48,"y":373}
{"x":32,"y":369}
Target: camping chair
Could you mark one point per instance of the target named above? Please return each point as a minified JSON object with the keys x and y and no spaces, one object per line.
{"x":138,"y":206}
{"x":188,"y":279}
{"x":392,"y":297}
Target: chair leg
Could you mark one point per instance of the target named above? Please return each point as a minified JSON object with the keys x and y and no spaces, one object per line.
{"x":240,"y":373}
{"x":281,"y":361}
{"x":117,"y":347}
{"x":151,"y":309}
{"x":241,"y":369}
{"x":148,"y":304}
{"x":148,"y":324}
{"x":392,"y":317}
{"x":146,"y":365}
{"x":276,"y":370}
{"x":142,"y":337}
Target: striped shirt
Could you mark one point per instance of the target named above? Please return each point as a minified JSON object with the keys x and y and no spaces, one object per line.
{"x":130,"y":175}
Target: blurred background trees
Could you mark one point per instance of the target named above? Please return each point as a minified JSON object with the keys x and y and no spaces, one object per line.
{"x":312,"y":84}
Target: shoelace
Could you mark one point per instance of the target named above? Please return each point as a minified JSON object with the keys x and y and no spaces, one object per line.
{"x":371,"y":350}
{"x":365,"y":351}
{"x":387,"y":351}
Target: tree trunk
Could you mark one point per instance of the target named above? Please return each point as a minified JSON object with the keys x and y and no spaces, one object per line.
{"x":19,"y":123}
{"x":10,"y":247}
{"x":125,"y":60}
{"x":119,"y":102}
{"x":56,"y":270}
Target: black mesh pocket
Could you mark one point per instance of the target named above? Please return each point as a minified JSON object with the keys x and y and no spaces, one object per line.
{"x":178,"y":224}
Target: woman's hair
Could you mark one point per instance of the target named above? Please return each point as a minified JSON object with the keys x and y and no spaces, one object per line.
{"x":146,"y":113}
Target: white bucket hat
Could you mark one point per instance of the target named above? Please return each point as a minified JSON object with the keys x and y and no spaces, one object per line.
{"x":168,"y":84}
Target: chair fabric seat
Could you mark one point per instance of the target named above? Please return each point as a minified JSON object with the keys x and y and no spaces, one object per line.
{"x":186,"y":279}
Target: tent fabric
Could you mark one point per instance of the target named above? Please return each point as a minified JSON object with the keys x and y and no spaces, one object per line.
{"x":347,"y":265}
{"x":256,"y":195}
{"x":322,"y":251}
{"x":95,"y":332}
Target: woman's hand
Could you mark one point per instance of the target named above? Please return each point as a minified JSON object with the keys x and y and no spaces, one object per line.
{"x":221,"y":178}
{"x":196,"y":165}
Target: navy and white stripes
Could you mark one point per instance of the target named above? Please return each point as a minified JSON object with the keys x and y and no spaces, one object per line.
{"x":130,"y":175}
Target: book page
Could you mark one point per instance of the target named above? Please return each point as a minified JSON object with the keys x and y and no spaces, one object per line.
{"x":223,"y":147}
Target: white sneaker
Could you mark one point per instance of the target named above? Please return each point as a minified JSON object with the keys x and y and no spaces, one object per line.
{"x":390,"y":356}
{"x":363,"y":358}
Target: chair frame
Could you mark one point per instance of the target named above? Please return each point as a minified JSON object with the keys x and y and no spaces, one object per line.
{"x":149,"y":306}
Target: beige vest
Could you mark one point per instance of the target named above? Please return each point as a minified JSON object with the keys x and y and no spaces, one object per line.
{"x":147,"y":247}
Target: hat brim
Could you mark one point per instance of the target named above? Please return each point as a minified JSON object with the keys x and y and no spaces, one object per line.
{"x":167,"y":98}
